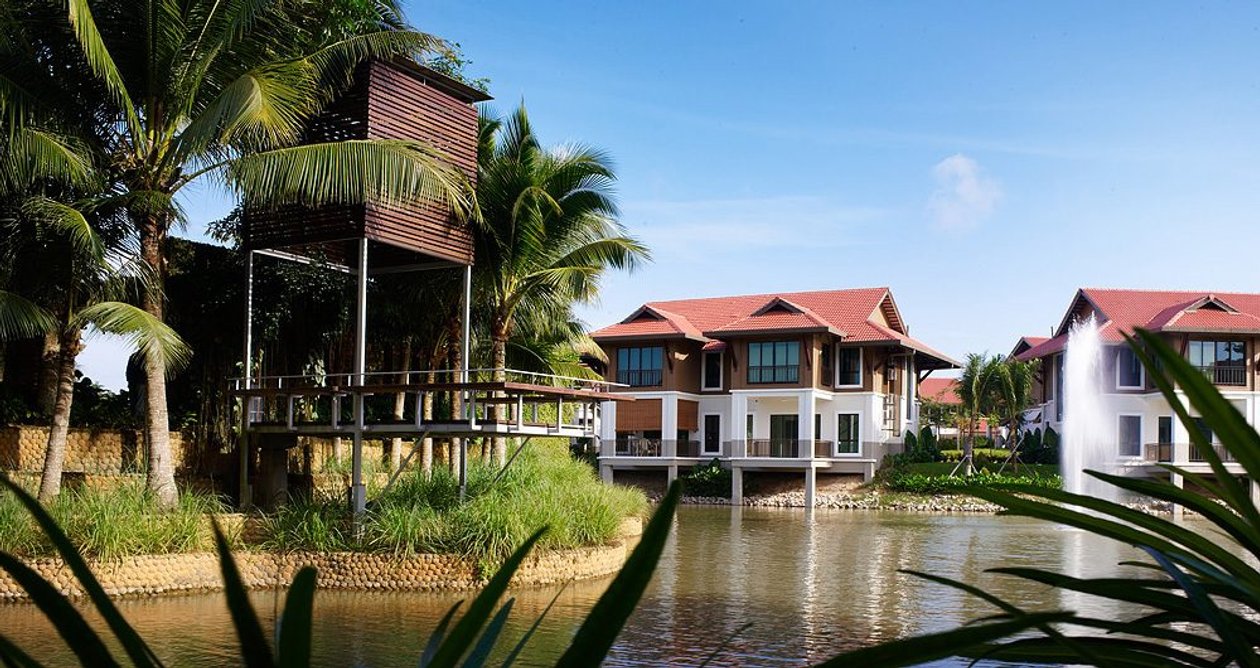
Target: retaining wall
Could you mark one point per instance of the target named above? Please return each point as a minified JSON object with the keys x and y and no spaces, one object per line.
{"x":151,"y":575}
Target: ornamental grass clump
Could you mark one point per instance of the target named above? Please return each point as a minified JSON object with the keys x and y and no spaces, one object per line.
{"x":111,"y":522}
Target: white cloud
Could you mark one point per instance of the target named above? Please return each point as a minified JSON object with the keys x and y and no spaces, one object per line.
{"x":964,"y":195}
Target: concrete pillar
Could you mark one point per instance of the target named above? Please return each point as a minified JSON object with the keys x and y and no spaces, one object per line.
{"x":1255,"y":493}
{"x":737,"y":485}
{"x":737,"y":426}
{"x":273,"y":477}
{"x":671,"y":474}
{"x":811,"y":486}
{"x":805,"y":424}
{"x":1176,"y":478}
{"x":608,"y":421}
{"x":669,"y":425}
{"x":606,"y":473}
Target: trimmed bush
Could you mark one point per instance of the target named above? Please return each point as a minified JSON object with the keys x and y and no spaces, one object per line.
{"x":711,"y":480}
{"x":918,"y":483}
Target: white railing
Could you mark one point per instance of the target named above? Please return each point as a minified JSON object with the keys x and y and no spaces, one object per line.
{"x":422,"y":377}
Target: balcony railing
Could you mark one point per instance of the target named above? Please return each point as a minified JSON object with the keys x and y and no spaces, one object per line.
{"x":1167,"y":452}
{"x":1221,"y":453}
{"x":789,"y":373}
{"x":644,"y":378}
{"x":655,"y":447}
{"x":1234,"y":375}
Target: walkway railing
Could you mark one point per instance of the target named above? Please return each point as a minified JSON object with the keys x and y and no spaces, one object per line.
{"x":655,"y":447}
{"x":1164,"y":453}
{"x":420,"y":378}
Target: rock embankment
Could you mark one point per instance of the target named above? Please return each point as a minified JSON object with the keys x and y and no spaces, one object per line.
{"x":865,"y":501}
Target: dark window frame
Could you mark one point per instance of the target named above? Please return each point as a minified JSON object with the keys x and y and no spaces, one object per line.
{"x":635,"y":370}
{"x":784,"y":366}
{"x":852,"y":443}
{"x":704,"y":371}
{"x":847,"y":368}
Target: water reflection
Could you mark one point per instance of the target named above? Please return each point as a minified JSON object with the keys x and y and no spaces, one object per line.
{"x":809,"y":585}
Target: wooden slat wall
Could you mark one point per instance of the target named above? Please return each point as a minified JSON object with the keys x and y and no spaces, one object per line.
{"x":387,"y":102}
{"x":403,"y":105}
{"x":688,"y":415}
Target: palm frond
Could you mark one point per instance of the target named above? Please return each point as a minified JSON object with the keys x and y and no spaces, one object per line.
{"x":69,"y":221}
{"x":390,"y":172}
{"x":100,"y":61}
{"x":32,"y":155}
{"x":147,"y":334}
{"x":21,"y":318}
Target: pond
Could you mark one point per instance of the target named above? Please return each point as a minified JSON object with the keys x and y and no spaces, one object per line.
{"x":755,"y":586}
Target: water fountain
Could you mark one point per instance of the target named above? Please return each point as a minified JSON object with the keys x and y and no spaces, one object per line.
{"x":1087,"y":441}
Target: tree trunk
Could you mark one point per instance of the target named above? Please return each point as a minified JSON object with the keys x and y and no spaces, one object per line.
{"x":160,"y":477}
{"x":499,"y":363}
{"x":55,"y":456}
{"x":426,"y":447}
{"x":969,"y":446}
{"x":47,"y":387}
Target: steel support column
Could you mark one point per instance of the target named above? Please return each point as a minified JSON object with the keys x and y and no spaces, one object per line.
{"x":358,"y":492}
{"x":242,"y":446}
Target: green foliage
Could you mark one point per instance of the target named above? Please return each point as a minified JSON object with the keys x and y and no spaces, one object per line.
{"x":109,"y":523}
{"x":468,"y":643}
{"x":981,"y":455}
{"x":544,"y":486}
{"x":1199,"y":592}
{"x":920,"y":448}
{"x":1040,"y":448}
{"x":708,"y":480}
{"x":99,"y":408}
{"x":919,"y":483}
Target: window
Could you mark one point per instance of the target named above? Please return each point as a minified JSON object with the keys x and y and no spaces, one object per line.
{"x":1129,"y":373}
{"x":847,"y":434}
{"x":639,"y":367}
{"x":849,"y":362}
{"x":774,"y":362}
{"x":1130,"y":435}
{"x":817,"y":426}
{"x":713,"y":371}
{"x":1165,"y":429}
{"x":749,"y":430}
{"x":1223,"y":362}
{"x":826,"y":369}
{"x":1204,"y":429}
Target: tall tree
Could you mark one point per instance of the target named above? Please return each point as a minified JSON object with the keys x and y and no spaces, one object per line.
{"x":976,"y":390}
{"x":185,"y":91}
{"x":1014,"y":385}
{"x":548,"y":230}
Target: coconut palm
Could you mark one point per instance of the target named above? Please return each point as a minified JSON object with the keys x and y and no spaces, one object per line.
{"x":80,"y":279}
{"x":976,"y":391}
{"x":173,"y":93}
{"x":548,"y":230}
{"x":1013,"y":386}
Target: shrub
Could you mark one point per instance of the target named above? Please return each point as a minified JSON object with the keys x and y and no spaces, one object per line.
{"x":710,"y":480}
{"x":918,"y":483}
{"x":544,"y":486}
{"x":981,"y":456}
{"x":111,"y":523}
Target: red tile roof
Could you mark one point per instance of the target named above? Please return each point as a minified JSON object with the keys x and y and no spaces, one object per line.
{"x":854,"y":314}
{"x":1122,"y":311}
{"x":940,"y":390}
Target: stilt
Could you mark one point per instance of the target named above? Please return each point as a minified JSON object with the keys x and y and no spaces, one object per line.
{"x":811,"y":487}
{"x":358,"y":492}
{"x":606,"y":473}
{"x":737,"y":486}
{"x":244,"y":491}
{"x":671,"y":474}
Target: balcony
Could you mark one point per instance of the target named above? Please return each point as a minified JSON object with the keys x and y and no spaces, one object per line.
{"x":1168,"y":453}
{"x":655,"y":447}
{"x":1232,"y":375}
{"x":775,"y":448}
{"x":643,"y":378}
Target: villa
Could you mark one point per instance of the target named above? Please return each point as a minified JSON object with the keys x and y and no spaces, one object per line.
{"x":809,"y":382}
{"x":1218,"y":334}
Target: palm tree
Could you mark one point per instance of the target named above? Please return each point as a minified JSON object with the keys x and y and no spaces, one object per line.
{"x":79,"y":281}
{"x":548,"y":230}
{"x":1014,"y":383}
{"x":976,"y":388}
{"x":172,"y":93}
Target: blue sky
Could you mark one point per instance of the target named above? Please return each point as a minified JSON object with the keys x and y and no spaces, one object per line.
{"x":981,"y":159}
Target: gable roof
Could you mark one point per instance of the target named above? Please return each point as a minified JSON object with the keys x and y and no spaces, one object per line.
{"x":1027,"y":342}
{"x":940,"y":390}
{"x":1119,"y":312}
{"x":861,"y":315}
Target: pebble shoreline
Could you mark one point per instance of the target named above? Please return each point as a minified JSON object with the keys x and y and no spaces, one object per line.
{"x":945,"y":503}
